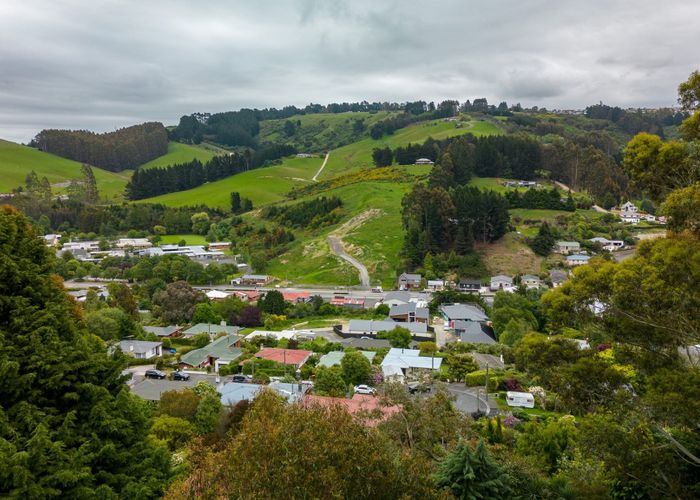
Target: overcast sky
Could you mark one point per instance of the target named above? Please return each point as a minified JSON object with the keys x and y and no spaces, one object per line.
{"x":103,"y":64}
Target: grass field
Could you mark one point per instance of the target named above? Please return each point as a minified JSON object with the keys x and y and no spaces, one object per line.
{"x":359,"y":154}
{"x":263,"y":185}
{"x":190,"y":239}
{"x":182,"y":153}
{"x":16,"y":161}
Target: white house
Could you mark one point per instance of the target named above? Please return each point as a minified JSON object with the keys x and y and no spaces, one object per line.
{"x":577,"y":260}
{"x":609,"y":245}
{"x":531,"y":281}
{"x":52,"y":240}
{"x":133,"y":243}
{"x":424,"y":161}
{"x":629,"y":207}
{"x":501,"y":282}
{"x":141,"y":349}
{"x":400,"y":364}
{"x":629,"y":217}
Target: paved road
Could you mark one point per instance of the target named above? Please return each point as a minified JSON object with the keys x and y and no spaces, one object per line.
{"x":325,"y":160}
{"x":337,"y":248}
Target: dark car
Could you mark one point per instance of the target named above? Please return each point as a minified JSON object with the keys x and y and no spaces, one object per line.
{"x":240,"y":378}
{"x":415,"y":388}
{"x":155,"y":374}
{"x":181,"y":376}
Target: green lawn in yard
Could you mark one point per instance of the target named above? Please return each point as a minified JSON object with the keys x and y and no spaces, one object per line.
{"x":183,"y":153}
{"x":16,"y":161}
{"x":190,"y":239}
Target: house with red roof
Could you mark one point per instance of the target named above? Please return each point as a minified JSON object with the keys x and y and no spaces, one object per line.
{"x":366,"y":408}
{"x":296,"y":297}
{"x":292,"y":357}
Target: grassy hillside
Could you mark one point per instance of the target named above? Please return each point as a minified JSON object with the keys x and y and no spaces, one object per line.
{"x":359,"y":154}
{"x":263,"y":185}
{"x":16,"y":161}
{"x":182,"y":153}
{"x":270,"y":184}
{"x":322,"y":131}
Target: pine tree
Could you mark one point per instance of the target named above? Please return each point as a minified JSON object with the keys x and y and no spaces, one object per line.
{"x":464,"y":243}
{"x":235,"y":202}
{"x":90,"y":184}
{"x":473,"y":474}
{"x":69,"y":426}
{"x":543,"y":243}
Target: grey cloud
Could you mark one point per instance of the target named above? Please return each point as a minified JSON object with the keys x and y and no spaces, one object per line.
{"x":100,"y":65}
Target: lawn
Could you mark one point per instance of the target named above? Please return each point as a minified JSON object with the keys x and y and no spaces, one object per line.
{"x":510,"y":255}
{"x":190,"y":239}
{"x":16,"y":161}
{"x":183,"y":153}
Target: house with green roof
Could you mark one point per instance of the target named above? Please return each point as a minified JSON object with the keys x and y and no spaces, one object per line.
{"x":335,"y":357}
{"x":222,"y":351}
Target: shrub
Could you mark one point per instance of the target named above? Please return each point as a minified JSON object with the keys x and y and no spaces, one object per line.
{"x":478,"y":378}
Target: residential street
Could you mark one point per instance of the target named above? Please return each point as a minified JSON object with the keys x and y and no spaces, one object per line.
{"x":467,"y":400}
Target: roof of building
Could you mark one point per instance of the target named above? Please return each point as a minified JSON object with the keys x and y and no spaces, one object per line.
{"x":373,"y":326}
{"x":235,"y":392}
{"x":401,"y":296}
{"x":221,"y":349}
{"x":162,"y":331}
{"x":474,"y":333}
{"x":138,"y":346}
{"x":470,"y":281}
{"x":152,"y":389}
{"x":577,"y":257}
{"x":599,"y":239}
{"x":411,"y":307}
{"x":463,"y":311}
{"x":255,"y":277}
{"x":568,"y":244}
{"x":359,"y":343}
{"x":502,"y":277}
{"x":410,"y":358}
{"x":296,"y":296}
{"x":335,"y":357}
{"x":558,"y":276}
{"x":213,"y":328}
{"x":363,"y":405}
{"x":284,"y":356}
{"x":410,"y":276}
{"x":217,"y":294}
{"x":529,"y":277}
{"x":284,"y":334}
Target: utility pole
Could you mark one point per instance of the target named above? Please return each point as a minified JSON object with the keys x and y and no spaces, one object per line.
{"x":486,"y":389}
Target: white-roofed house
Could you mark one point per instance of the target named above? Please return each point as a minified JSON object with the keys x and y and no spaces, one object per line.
{"x":501,"y":282}
{"x":401,"y":364}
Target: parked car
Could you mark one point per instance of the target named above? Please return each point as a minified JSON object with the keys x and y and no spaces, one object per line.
{"x":241,"y":378}
{"x":364,"y":389}
{"x":181,"y":376}
{"x":416,"y":387}
{"x":155,"y":374}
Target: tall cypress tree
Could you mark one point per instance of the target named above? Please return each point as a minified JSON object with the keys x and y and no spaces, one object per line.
{"x":68,"y":425}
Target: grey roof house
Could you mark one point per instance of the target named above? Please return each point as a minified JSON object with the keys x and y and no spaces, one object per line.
{"x":501,"y":282}
{"x":409,"y":280}
{"x":468,"y":312}
{"x":141,"y":349}
{"x":163,"y":331}
{"x":474,"y":332}
{"x":409,"y":313}
{"x":210,"y":328}
{"x":335,"y":357}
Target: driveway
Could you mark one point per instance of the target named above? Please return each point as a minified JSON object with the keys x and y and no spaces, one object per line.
{"x":466,"y":400}
{"x":337,"y":248}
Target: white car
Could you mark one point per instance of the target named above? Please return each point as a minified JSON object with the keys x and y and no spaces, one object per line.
{"x":364,"y":389}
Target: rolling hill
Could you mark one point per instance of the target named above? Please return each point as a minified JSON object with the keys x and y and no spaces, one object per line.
{"x":182,"y":153}
{"x":16,"y":161}
{"x":270,"y":184}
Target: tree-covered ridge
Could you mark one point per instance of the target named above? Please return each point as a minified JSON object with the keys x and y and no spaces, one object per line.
{"x":68,"y":425}
{"x":123,"y":149}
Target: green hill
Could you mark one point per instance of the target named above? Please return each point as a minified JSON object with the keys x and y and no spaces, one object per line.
{"x":16,"y":161}
{"x":319,"y":132}
{"x":182,"y":153}
{"x":270,"y":184}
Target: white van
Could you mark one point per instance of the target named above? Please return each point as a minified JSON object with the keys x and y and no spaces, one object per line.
{"x":377,"y":289}
{"x":524,"y":399}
